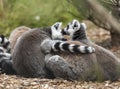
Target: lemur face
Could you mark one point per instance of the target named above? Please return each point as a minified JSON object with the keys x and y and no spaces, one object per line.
{"x":56,"y":31}
{"x":74,"y":26}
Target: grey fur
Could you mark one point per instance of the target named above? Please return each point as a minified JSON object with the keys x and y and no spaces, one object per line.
{"x":29,"y":60}
{"x":16,"y":34}
{"x":107,"y":64}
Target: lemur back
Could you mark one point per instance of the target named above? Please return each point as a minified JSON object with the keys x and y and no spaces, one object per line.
{"x":108,"y":63}
{"x":8,"y":44}
{"x":15,"y":34}
{"x":28,"y":60}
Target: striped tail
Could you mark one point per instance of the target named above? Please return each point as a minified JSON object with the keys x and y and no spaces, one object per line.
{"x":4,"y":54}
{"x":49,"y":45}
{"x":64,"y":46}
{"x":4,"y":42}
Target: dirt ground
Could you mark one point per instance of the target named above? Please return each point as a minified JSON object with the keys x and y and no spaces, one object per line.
{"x":13,"y":82}
{"x":94,"y":33}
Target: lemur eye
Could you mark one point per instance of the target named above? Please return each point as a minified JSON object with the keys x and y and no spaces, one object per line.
{"x":75,"y":25}
{"x":56,"y":26}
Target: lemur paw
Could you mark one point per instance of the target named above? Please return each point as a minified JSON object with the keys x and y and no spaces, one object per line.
{"x":46,"y":45}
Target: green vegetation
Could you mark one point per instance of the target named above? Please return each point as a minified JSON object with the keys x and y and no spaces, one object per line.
{"x":34,"y":13}
{"x":39,"y":13}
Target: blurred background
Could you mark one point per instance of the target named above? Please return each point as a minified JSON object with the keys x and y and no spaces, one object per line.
{"x":43,"y":13}
{"x":34,"y":13}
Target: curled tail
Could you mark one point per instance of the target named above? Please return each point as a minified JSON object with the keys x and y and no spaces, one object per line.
{"x":64,"y":46}
{"x":56,"y":45}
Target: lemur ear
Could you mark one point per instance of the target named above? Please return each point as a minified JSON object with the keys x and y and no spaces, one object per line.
{"x":83,"y":26}
{"x":71,"y":27}
{"x":57,"y":25}
{"x":76,"y":24}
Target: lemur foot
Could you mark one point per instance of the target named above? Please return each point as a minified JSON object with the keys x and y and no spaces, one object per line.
{"x":60,"y":68}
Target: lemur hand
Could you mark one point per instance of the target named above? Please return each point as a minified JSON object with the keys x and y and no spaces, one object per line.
{"x":46,"y":45}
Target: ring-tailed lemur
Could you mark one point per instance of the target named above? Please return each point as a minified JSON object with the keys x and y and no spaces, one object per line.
{"x":56,"y":45}
{"x":5,"y":56}
{"x":71,"y":66}
{"x":7,"y":47}
{"x":107,"y":62}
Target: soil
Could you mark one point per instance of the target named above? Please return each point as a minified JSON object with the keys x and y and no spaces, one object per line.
{"x":97,"y":35}
{"x":14,"y":82}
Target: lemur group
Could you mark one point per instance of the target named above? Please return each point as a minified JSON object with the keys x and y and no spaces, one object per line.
{"x":57,"y":52}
